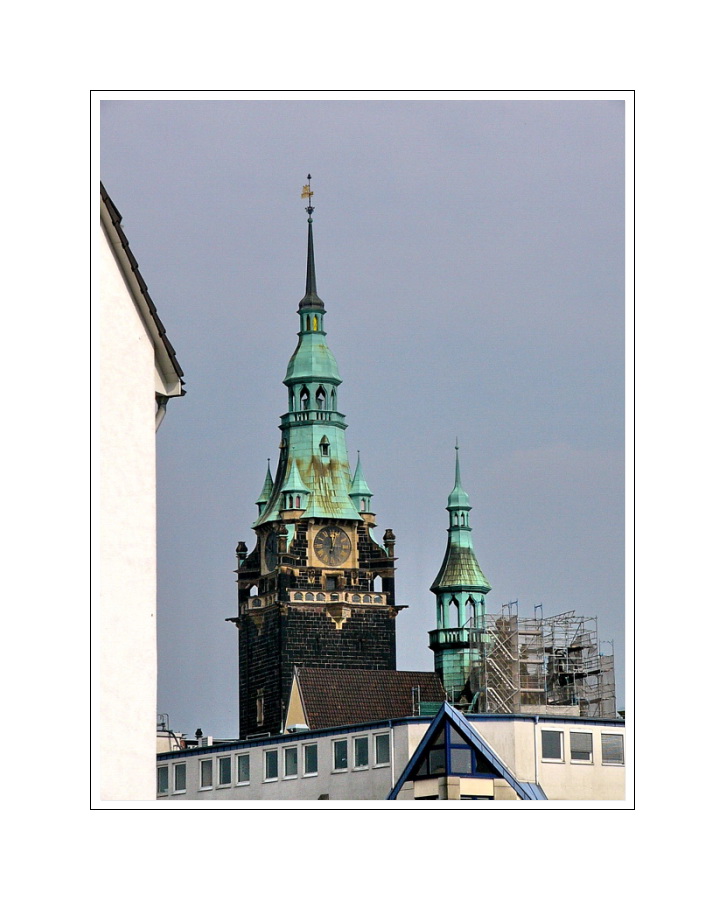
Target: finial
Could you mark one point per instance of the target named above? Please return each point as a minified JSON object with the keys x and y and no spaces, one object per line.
{"x":307,"y":194}
{"x":310,"y":299}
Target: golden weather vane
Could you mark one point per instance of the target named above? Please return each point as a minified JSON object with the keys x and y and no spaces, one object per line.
{"x":307,"y":194}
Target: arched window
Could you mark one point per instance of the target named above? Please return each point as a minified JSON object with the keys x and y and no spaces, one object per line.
{"x":314,"y":323}
{"x":320,"y":397}
{"x":470,"y":612}
{"x":324,"y":446}
{"x":333,"y":399}
{"x":297,"y":501}
{"x":307,"y":323}
{"x":454,"y":614}
{"x":304,"y":399}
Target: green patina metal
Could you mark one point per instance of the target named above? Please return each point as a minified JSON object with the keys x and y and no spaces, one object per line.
{"x":359,"y":490}
{"x":460,"y":588}
{"x":460,"y":570}
{"x":263,"y":498}
{"x":313,"y":470}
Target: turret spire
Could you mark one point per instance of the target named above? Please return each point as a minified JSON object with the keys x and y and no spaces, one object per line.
{"x":310,"y":299}
{"x":460,"y":567}
{"x":458,"y":499}
{"x":460,"y":589}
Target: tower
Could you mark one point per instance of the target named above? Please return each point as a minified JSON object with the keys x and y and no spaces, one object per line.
{"x":317,"y":589}
{"x":460,"y":588}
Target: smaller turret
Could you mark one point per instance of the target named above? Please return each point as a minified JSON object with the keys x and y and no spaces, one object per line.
{"x":460,"y":588}
{"x":263,"y":498}
{"x":359,"y":490}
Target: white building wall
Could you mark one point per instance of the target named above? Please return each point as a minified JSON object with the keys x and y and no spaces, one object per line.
{"x":127,"y":616}
{"x":518,"y":743}
{"x":511,"y":739}
{"x":370,"y":782}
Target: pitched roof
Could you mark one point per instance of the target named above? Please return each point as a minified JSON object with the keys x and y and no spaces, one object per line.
{"x":525,"y":790}
{"x":333,"y":697}
{"x":120,"y":239}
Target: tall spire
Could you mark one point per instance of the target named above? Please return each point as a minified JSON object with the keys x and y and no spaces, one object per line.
{"x":313,"y":461}
{"x":310,"y":300}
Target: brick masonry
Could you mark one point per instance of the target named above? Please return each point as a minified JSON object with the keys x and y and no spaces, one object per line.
{"x":273,"y":640}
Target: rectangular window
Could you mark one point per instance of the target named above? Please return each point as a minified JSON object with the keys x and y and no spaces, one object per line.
{"x":243,"y":769}
{"x":437,"y":761}
{"x":580,"y":746}
{"x":361,"y":752}
{"x":162,"y":780}
{"x":552,"y":745}
{"x":206,"y":774}
{"x":180,"y":778}
{"x":271,"y":766}
{"x":382,"y":749}
{"x":613,"y":749}
{"x":339,"y":749}
{"x":290,"y":762}
{"x":225,"y":771}
{"x":310,"y":752}
{"x":461,"y":761}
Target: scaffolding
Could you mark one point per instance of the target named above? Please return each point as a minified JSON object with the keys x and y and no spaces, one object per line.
{"x":539,"y":665}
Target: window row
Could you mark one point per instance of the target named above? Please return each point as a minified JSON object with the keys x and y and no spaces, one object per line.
{"x":287,"y":762}
{"x":360,"y":752}
{"x":581,"y":747}
{"x":309,"y":597}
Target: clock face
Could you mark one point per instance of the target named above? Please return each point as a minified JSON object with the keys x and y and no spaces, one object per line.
{"x":332,"y":546}
{"x":270,"y":551}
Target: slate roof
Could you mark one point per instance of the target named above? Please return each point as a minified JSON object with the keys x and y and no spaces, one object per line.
{"x":116,"y":219}
{"x":335,"y":697}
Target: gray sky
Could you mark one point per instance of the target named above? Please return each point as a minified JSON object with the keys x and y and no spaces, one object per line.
{"x":470,"y":255}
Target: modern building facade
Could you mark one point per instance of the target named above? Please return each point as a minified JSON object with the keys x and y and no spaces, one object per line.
{"x":442,"y":757}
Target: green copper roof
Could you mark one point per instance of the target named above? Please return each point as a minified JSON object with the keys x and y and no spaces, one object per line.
{"x":313,"y":452}
{"x":358,"y":486}
{"x":312,"y":361}
{"x":460,"y":569}
{"x":293,"y":483}
{"x":266,"y":488}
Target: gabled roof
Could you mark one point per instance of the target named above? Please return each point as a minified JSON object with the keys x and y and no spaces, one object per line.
{"x":112,"y":220}
{"x":525,"y":790}
{"x":333,"y":697}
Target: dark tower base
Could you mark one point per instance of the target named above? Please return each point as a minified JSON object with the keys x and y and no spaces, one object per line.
{"x":275,"y":639}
